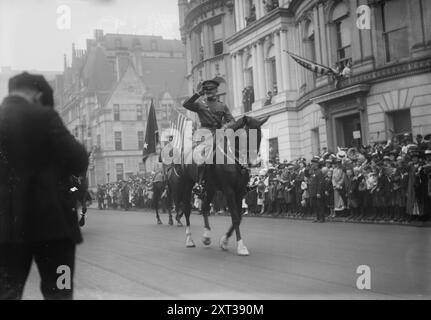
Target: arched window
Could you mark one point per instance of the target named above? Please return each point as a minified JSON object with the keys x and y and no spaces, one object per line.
{"x":249,"y":71}
{"x":395,"y":32}
{"x":340,"y":15}
{"x":271,"y":71}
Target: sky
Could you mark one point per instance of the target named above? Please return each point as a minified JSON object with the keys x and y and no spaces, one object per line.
{"x":35,"y":34}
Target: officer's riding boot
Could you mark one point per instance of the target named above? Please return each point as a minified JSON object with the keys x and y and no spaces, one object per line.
{"x":201,"y":180}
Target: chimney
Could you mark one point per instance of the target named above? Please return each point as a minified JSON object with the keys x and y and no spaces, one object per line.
{"x":65,"y":63}
{"x":73,"y":51}
{"x":98,"y":35}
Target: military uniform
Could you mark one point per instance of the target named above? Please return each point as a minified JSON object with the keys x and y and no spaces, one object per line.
{"x":212,"y":114}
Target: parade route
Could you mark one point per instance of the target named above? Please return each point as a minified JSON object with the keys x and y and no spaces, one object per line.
{"x":126,"y":255}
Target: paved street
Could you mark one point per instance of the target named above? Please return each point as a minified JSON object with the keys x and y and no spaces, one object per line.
{"x":126,"y":255}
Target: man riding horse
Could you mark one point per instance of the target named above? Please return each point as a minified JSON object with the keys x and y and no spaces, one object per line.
{"x":212,"y":113}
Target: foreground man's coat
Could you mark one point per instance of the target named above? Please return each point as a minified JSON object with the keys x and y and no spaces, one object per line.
{"x":38,"y":155}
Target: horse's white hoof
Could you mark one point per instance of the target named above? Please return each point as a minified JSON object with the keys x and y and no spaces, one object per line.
{"x":190,"y":243}
{"x":242,"y":249}
{"x":206,"y":241}
{"x":224,"y":242}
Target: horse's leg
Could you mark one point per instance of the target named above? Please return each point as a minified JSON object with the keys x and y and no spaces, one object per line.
{"x":169,"y":205}
{"x":156,"y":198}
{"x":179,"y":212}
{"x":234,"y":208}
{"x":206,"y":239}
{"x":187,"y":209}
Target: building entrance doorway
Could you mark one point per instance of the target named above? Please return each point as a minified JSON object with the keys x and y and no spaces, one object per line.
{"x":348,"y":131}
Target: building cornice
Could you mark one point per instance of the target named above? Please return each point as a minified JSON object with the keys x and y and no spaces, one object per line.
{"x":356,"y":89}
{"x":253,"y":27}
{"x":208,"y":60}
{"x":285,"y":106}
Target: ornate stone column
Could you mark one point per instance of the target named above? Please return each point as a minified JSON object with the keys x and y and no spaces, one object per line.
{"x":285,"y":66}
{"x":261,"y":70}
{"x":278,"y":63}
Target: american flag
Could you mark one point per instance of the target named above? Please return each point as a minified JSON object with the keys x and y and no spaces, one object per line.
{"x":313,"y":66}
{"x":178,"y":125}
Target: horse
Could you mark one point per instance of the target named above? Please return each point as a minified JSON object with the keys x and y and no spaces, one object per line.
{"x":231,"y":179}
{"x":170,"y":183}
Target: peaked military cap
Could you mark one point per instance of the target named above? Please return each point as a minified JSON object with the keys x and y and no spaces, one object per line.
{"x":210,"y":84}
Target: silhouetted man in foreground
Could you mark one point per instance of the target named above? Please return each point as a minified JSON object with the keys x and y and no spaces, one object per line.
{"x":38,"y":218}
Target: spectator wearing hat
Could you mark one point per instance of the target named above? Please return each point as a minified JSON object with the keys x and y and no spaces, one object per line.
{"x":289,"y":189}
{"x":356,"y":193}
{"x":399,"y":190}
{"x":261,"y":197}
{"x":328,"y":190}
{"x":338,"y":177}
{"x":422,"y":145}
{"x":38,"y":218}
{"x":414,"y":205}
{"x":279,"y":196}
{"x":427,"y":176}
{"x":298,"y":191}
{"x":315,"y":190}
{"x":305,"y":197}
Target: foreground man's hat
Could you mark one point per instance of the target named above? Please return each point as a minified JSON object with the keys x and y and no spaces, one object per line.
{"x":36,"y":82}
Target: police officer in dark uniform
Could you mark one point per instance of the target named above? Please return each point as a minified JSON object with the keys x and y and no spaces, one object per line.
{"x":38,"y":218}
{"x":212,"y":113}
{"x":315,"y":188}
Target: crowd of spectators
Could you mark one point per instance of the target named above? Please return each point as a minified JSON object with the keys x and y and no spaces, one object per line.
{"x":135,"y":192}
{"x":386,"y":181}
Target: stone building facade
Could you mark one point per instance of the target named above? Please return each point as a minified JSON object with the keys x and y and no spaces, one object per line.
{"x":204,"y":26}
{"x":106,"y":94}
{"x":388,"y":88}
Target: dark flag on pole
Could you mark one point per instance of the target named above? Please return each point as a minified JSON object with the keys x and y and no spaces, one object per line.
{"x":151,"y":134}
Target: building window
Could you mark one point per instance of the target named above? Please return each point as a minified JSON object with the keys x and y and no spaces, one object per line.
{"x":119,"y":169}
{"x":250,"y":11}
{"x":217,"y":36}
{"x":99,"y":141}
{"x":218,"y":47}
{"x":139,"y":112}
{"x":426,"y":19}
{"x":116,"y":112}
{"x":315,"y":141}
{"x":395,"y":32}
{"x":399,"y":122}
{"x":141,"y":140}
{"x":118,"y":142}
{"x":272,"y":76}
{"x":273,"y":150}
{"x":118,"y":43}
{"x":340,"y":16}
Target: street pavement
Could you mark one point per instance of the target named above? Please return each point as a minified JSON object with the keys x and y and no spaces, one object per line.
{"x":126,"y":255}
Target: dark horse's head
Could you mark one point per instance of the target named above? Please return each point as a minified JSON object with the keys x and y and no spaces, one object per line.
{"x":249,"y":123}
